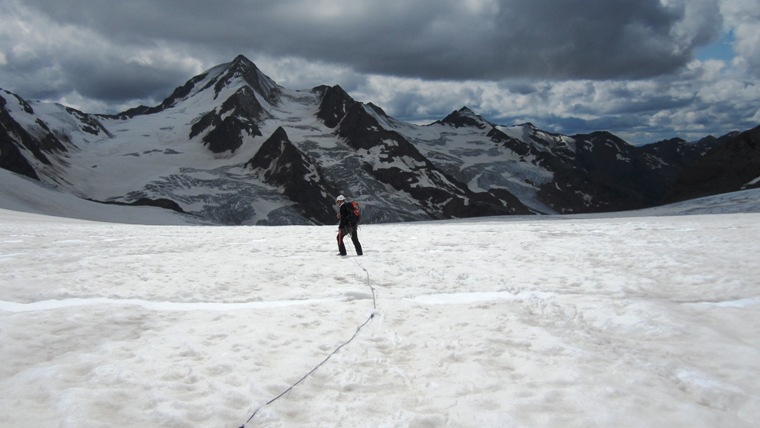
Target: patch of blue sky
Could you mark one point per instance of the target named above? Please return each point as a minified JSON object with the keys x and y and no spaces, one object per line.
{"x":721,"y":49}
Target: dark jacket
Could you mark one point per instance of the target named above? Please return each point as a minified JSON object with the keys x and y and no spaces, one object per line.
{"x":345,"y":209}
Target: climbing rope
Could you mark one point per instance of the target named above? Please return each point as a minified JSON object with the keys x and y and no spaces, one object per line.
{"x":358,"y":329}
{"x":374,"y":301}
{"x":312,"y":370}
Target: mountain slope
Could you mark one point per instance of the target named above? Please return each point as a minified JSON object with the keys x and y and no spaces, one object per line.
{"x":732,"y":166}
{"x":231,"y":146}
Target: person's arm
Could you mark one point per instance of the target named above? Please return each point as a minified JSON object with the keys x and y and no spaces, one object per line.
{"x":343,"y":214}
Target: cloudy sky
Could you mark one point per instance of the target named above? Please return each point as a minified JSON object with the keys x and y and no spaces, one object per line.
{"x":643,"y":69}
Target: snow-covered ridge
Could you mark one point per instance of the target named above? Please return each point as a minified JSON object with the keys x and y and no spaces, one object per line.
{"x":192,"y":154}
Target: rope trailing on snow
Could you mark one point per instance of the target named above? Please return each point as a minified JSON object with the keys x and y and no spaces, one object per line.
{"x":358,"y":329}
{"x":374,"y":301}
{"x":312,"y":370}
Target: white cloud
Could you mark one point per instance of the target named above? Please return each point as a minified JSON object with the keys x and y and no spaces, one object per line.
{"x":298,"y":73}
{"x":742,"y":19}
{"x":417,"y":60}
{"x":700,"y":23}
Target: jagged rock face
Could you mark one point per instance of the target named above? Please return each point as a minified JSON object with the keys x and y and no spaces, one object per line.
{"x":236,"y":119}
{"x":542,"y":153}
{"x":607,"y":174}
{"x":393,"y":160}
{"x":15,"y":140}
{"x":10,"y":155}
{"x":729,"y":167}
{"x":240,"y":113}
{"x":230,"y":146}
{"x":334,"y":106}
{"x":226,"y":128}
{"x":660,"y":164}
{"x":280,"y":163}
{"x":464,"y":117}
{"x":242,"y":67}
{"x":606,"y":180}
{"x":361,"y":130}
{"x":88,"y":123}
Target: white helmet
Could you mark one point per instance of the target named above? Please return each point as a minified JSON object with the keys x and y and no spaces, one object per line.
{"x":340,"y":198}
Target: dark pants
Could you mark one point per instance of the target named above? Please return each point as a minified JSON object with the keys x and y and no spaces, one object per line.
{"x":349,"y":230}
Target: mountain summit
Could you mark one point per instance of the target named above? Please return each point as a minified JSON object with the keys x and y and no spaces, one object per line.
{"x":465,"y":117}
{"x":231,"y":146}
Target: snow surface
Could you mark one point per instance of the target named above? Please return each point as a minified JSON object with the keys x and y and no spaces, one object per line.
{"x":635,"y":321}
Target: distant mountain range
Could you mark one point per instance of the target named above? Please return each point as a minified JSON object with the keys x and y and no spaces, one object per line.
{"x":231,"y":146}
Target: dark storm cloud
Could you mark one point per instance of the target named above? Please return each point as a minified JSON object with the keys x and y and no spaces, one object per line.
{"x":115,"y":80}
{"x":575,"y":125}
{"x":92,"y":74}
{"x":577,"y":65}
{"x":442,"y":39}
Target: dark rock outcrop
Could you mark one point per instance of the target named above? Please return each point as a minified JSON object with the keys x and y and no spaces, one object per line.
{"x":440,"y":195}
{"x":228,"y":127}
{"x":464,"y":117}
{"x":334,"y":106}
{"x":279,"y":163}
{"x":14,"y":138}
{"x":732,"y":166}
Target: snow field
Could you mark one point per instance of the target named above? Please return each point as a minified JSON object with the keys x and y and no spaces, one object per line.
{"x":628,"y":322}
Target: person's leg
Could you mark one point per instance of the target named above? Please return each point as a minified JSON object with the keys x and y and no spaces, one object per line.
{"x":355,"y":240}
{"x":341,"y":246}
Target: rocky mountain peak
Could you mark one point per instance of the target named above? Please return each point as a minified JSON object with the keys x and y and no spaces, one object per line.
{"x":335,"y":104}
{"x":310,"y":146}
{"x":734,"y":165}
{"x":602,"y":136}
{"x":243,"y":68}
{"x":280,"y":163}
{"x":218,"y":78}
{"x":243,"y":62}
{"x":465,"y":117}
